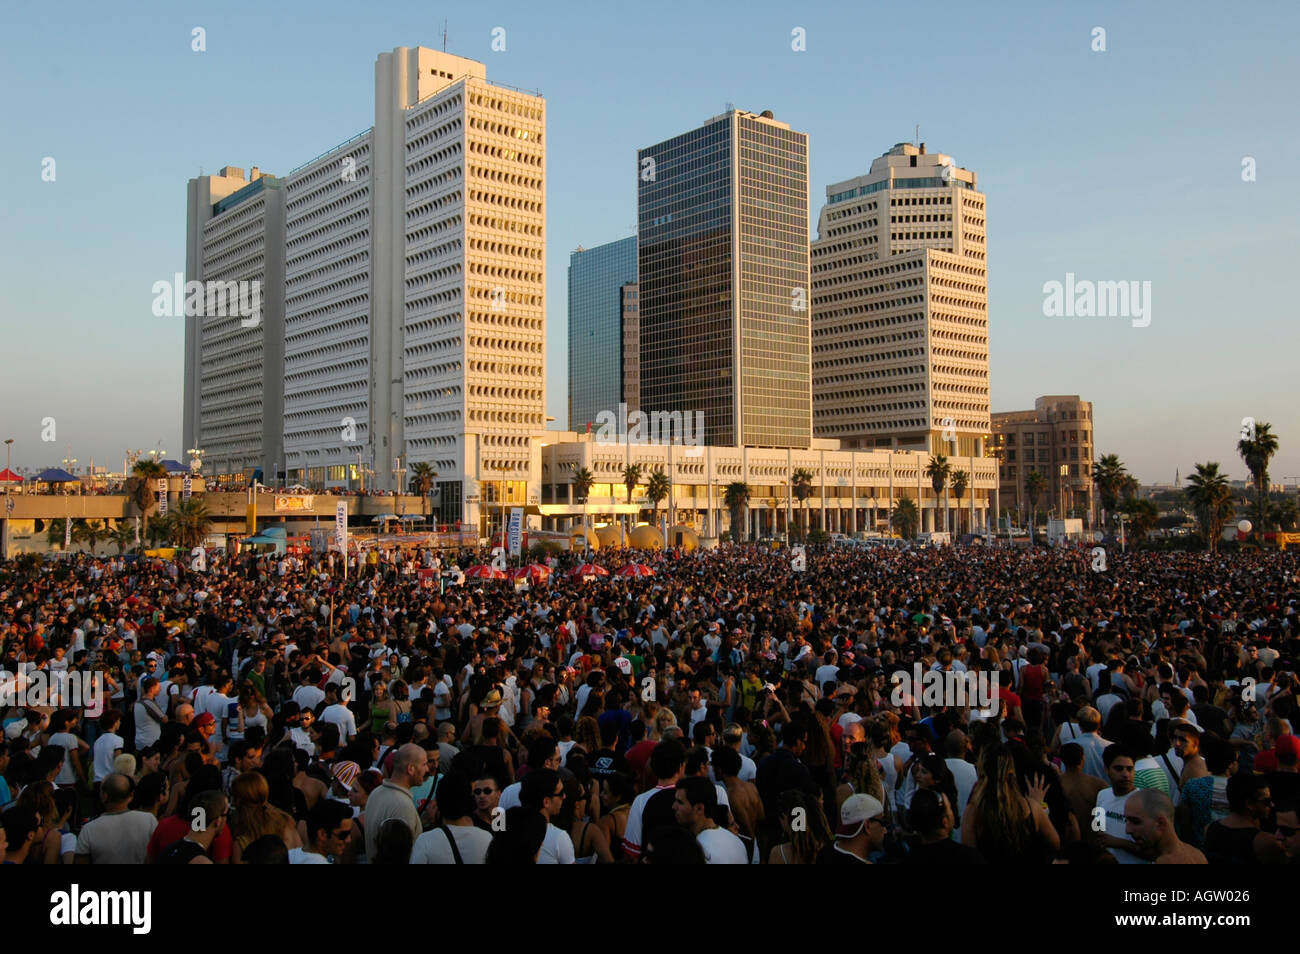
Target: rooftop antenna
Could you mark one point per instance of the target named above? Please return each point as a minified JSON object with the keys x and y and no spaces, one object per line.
{"x":444,"y":36}
{"x":917,"y":140}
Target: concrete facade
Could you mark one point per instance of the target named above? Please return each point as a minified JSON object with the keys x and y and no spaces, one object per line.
{"x":1057,"y":433}
{"x":900,"y":308}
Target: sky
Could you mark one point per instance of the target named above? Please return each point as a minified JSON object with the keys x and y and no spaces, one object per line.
{"x":1161,"y":158}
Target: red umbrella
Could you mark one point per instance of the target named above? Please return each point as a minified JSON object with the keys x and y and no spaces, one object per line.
{"x":636,"y":569}
{"x":533,"y":573}
{"x":590,"y":569}
{"x":484,"y":572}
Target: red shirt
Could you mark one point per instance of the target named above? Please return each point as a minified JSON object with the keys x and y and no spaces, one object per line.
{"x":173,"y":828}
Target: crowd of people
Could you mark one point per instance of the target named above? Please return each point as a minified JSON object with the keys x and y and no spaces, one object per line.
{"x":729,"y":709}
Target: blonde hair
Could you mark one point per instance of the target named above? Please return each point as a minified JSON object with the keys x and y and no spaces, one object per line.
{"x":125,"y":764}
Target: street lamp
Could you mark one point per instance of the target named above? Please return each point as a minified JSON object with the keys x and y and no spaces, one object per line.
{"x":9,"y":443}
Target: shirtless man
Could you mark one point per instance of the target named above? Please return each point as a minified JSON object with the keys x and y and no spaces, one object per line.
{"x":1080,"y":789}
{"x":1150,"y":823}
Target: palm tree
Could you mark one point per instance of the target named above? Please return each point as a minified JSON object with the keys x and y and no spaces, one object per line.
{"x":939,"y":470}
{"x":190,"y":523}
{"x":55,"y":532}
{"x":142,"y":487}
{"x":89,"y":532}
{"x":631,"y":477}
{"x":582,"y":480}
{"x":157,"y":529}
{"x":1035,"y":484}
{"x":960,"y":481}
{"x":801,"y":486}
{"x":1212,"y":498}
{"x":1109,"y":475}
{"x":122,"y":536}
{"x":657,"y":487}
{"x":422,"y":476}
{"x":1284,"y":514}
{"x":736,"y":499}
{"x":906,"y":518}
{"x":1257,"y":452}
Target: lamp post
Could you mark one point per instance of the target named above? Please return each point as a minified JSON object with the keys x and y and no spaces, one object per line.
{"x":196,"y":459}
{"x":9,"y":443}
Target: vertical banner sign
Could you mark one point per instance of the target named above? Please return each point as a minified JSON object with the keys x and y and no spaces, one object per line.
{"x":162,"y":496}
{"x":188,"y":485}
{"x":341,"y":528}
{"x":516,"y":530}
{"x":67,"y":533}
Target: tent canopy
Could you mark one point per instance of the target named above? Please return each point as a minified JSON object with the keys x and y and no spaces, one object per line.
{"x":56,"y":476}
{"x":174,"y":466}
{"x":7,"y":476}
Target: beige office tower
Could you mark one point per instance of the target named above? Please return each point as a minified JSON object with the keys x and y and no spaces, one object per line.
{"x":900,"y":308}
{"x":414,"y":290}
{"x":234,"y":346}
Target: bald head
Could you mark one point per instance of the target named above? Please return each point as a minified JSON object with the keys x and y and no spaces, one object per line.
{"x":184,"y":713}
{"x":410,"y":766}
{"x":115,"y":789}
{"x":1153,"y":803}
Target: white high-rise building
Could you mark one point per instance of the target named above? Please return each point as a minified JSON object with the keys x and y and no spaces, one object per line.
{"x":233,"y":402}
{"x":900,"y":308}
{"x":414,"y":289}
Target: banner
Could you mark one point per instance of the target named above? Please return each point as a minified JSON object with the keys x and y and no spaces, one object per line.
{"x":162,"y":496}
{"x":427,"y":577}
{"x":188,"y":484}
{"x":285,"y":503}
{"x":341,"y":526}
{"x":516,"y":530}
{"x":67,"y":533}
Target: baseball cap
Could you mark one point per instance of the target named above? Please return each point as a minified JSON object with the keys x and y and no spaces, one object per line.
{"x":856,"y":811}
{"x":205,"y":719}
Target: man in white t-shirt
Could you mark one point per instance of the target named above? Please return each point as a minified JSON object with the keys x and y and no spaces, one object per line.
{"x":694,"y":806}
{"x":829,"y":670}
{"x":1115,"y":838}
{"x":217,"y":703}
{"x":456,"y":840}
{"x":329,"y":826}
{"x":340,"y":715}
{"x":108,"y":746}
{"x":309,"y":695}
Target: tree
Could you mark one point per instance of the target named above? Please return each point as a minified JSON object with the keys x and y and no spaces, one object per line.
{"x":1109,"y":475}
{"x":736,"y":499}
{"x":938,"y":470}
{"x":1141,"y":515}
{"x":1256,"y":452}
{"x":1035,"y":484}
{"x":1212,"y":499}
{"x":582,"y":480}
{"x":801,"y":486}
{"x":905,"y":518}
{"x":631,"y":477}
{"x":1283,"y":514}
{"x":54,"y":533}
{"x":422,"y":476}
{"x":142,"y":487}
{"x":122,"y":536}
{"x":89,"y":532}
{"x":189,"y":523}
{"x":960,"y":481}
{"x":657,"y":487}
{"x":157,"y":529}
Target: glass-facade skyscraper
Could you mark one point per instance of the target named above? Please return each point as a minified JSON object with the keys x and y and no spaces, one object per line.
{"x":723,"y":280}
{"x":597,"y":381}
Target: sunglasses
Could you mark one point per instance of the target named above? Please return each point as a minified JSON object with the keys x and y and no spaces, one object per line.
{"x":484,"y":791}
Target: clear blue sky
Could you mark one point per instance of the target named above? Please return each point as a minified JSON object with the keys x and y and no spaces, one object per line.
{"x":1122,"y":165}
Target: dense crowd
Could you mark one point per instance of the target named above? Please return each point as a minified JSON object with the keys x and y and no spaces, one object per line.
{"x":727,"y":709}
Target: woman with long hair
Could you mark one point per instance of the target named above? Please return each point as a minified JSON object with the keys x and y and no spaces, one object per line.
{"x":861,"y":776}
{"x":255,"y":816}
{"x":803,"y":843}
{"x":381,"y":708}
{"x":587,"y":735}
{"x":932,"y":772}
{"x":1005,"y":824}
{"x":251,"y":711}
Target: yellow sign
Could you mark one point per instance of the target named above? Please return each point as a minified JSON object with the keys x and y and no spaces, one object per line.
{"x":293,"y":504}
{"x":1284,"y":538}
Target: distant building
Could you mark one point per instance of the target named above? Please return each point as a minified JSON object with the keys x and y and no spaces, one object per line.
{"x":1056,"y":439}
{"x":602,"y":287}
